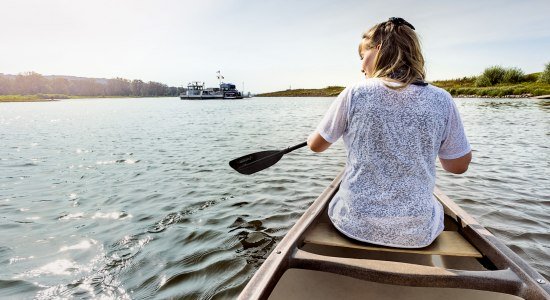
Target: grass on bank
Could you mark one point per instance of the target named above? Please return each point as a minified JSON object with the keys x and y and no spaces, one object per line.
{"x":466,"y":87}
{"x":329,"y":91}
{"x":495,"y":81}
{"x":456,"y":87}
{"x":30,"y":98}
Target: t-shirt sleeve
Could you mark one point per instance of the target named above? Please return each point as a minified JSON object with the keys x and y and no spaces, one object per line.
{"x":454,"y":143}
{"x":335,"y":121}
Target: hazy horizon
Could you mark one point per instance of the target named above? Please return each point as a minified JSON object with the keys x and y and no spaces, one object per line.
{"x":267,"y":45}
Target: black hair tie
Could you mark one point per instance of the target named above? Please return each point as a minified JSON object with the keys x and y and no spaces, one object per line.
{"x":400,"y":21}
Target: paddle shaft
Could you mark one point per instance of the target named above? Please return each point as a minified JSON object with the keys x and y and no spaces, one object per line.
{"x":290,"y":149}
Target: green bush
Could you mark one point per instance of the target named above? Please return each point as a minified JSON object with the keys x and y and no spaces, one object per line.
{"x":494,"y":74}
{"x":513,"y":75}
{"x":545,"y":75}
{"x":483,"y":81}
{"x":534,"y":77}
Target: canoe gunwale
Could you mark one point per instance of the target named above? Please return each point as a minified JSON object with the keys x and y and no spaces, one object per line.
{"x":512,"y":275}
{"x":495,"y":251}
{"x":269,"y":273}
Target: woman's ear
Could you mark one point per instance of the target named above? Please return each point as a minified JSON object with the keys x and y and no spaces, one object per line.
{"x":378,"y":47}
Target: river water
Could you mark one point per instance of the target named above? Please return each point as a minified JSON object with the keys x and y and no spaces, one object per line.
{"x":133,"y":198}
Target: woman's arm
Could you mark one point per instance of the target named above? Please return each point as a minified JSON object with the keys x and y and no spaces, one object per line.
{"x":317,"y":143}
{"x":457,"y":165}
{"x":333,"y":124}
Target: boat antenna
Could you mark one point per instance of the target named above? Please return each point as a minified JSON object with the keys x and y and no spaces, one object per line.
{"x":220,"y":77}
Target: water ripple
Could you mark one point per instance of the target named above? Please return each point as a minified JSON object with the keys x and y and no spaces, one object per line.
{"x":144,"y":205}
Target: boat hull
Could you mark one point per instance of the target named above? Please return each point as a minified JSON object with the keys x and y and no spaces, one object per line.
{"x":327,"y":266}
{"x":208,"y":98}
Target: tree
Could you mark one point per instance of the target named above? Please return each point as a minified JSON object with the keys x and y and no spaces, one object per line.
{"x":30,"y":83}
{"x":137,"y":88}
{"x":173,"y":91}
{"x":90,"y":87}
{"x":60,"y":86}
{"x":155,"y":89}
{"x":118,"y":87}
{"x":6,"y":85}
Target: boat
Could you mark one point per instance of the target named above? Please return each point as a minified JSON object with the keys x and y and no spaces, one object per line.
{"x":196,"y":91}
{"x":466,"y":261}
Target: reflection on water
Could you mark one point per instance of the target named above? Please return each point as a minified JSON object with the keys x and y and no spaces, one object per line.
{"x":545,"y":104}
{"x":134,"y":198}
{"x":502,"y":104}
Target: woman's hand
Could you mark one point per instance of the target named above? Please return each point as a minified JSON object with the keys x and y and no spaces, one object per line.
{"x":317,"y":143}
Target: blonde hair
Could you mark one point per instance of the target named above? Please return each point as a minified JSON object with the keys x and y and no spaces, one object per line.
{"x":399,"y":57}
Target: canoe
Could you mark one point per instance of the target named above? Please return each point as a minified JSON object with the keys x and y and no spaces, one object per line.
{"x":315,"y":261}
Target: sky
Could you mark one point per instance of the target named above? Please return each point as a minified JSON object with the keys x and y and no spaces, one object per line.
{"x":264,"y":45}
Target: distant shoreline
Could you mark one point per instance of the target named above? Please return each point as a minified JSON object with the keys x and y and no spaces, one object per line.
{"x":332,"y":92}
{"x":495,"y":82}
{"x":456,"y":88}
{"x":54,"y":98}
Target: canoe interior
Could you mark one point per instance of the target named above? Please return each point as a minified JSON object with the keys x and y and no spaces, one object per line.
{"x":314,"y":261}
{"x":308,"y":284}
{"x":412,"y":256}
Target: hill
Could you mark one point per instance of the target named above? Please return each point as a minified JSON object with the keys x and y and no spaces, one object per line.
{"x":329,"y":91}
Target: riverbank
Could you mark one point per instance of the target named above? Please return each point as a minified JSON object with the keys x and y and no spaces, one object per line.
{"x":329,"y":91}
{"x":467,"y":88}
{"x":32,"y":98}
{"x":461,"y":88}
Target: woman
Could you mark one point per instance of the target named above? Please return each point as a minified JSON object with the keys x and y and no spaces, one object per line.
{"x":394,"y":125}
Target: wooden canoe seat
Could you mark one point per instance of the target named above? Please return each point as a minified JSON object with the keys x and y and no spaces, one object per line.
{"x":449,"y":243}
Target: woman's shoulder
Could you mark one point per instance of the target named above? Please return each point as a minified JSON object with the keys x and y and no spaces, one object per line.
{"x":375,"y":86}
{"x":369,"y":85}
{"x":439,"y":92}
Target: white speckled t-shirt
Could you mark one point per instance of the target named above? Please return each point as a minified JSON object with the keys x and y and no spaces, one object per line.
{"x":392,"y":139}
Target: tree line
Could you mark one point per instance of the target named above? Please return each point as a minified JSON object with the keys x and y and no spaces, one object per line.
{"x":32,"y":83}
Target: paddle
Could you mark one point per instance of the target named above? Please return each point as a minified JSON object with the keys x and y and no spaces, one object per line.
{"x":252,"y":163}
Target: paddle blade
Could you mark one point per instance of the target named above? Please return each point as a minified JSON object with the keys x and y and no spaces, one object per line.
{"x":252,"y":163}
